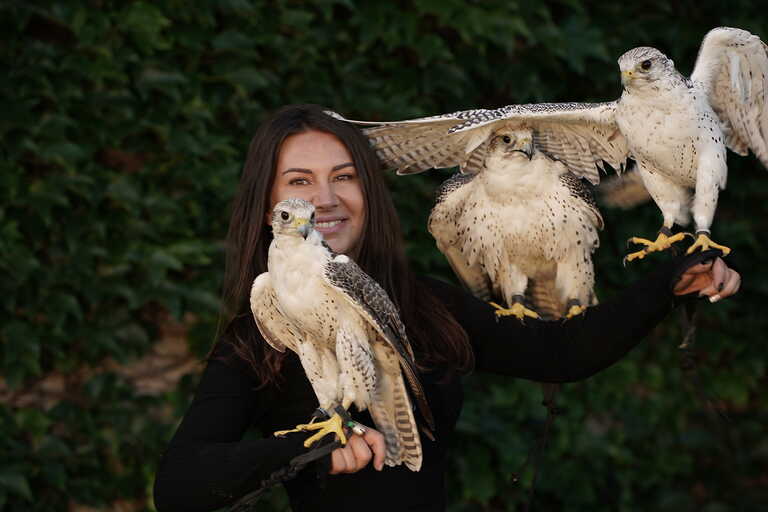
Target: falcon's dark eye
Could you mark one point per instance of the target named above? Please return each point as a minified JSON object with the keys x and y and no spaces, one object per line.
{"x":284,"y":215}
{"x":646,"y":65}
{"x":507,"y":139}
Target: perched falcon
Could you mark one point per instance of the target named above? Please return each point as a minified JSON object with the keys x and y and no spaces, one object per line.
{"x":521,"y":217}
{"x":345,"y":330}
{"x":675,"y":128}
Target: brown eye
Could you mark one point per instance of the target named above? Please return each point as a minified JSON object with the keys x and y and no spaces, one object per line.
{"x":646,"y":65}
{"x":507,"y":139}
{"x":284,"y":215}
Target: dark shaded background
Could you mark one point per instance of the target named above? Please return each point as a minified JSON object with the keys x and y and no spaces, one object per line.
{"x":123,"y":130}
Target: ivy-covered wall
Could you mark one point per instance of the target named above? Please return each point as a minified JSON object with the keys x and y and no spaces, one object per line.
{"x":123,"y":128}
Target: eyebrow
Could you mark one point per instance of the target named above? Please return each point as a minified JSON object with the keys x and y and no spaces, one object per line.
{"x":308,"y":171}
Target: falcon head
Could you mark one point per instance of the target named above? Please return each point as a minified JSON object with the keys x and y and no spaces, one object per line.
{"x":510,"y":144}
{"x":293,"y":217}
{"x":644,"y":65}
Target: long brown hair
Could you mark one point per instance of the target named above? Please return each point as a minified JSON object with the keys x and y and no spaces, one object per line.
{"x":437,"y":339}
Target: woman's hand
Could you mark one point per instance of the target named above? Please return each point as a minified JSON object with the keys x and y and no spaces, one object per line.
{"x":358,"y":452}
{"x":712,"y":279}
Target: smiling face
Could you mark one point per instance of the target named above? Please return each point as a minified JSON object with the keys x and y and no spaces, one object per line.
{"x":317,"y":167}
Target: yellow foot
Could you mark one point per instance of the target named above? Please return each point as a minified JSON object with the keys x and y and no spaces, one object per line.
{"x":575,"y":310}
{"x":334,"y":425}
{"x":661,"y":243}
{"x":517,"y":310}
{"x":705,"y":243}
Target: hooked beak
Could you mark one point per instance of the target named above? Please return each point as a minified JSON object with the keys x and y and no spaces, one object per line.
{"x":626,"y":77}
{"x":526,"y":148}
{"x":303,"y":225}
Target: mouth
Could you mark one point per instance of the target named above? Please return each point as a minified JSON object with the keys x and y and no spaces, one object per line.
{"x":330,"y":225}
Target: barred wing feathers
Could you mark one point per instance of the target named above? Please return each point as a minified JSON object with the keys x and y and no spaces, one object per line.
{"x":581,"y":135}
{"x":370,"y":300}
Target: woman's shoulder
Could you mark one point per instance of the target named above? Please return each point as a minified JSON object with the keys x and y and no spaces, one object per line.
{"x":230,"y":342}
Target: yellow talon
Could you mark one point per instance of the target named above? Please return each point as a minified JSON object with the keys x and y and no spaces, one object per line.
{"x":575,"y":310}
{"x":705,"y":243}
{"x":333,"y":425}
{"x":661,"y":243}
{"x":517,"y":310}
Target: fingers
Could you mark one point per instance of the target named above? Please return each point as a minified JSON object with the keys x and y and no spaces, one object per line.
{"x":717,"y":277}
{"x":375,"y":441}
{"x":713,"y":279}
{"x":690,"y":283}
{"x":343,"y":460}
{"x":700,"y":267}
{"x":731,"y":285}
{"x":361,"y":453}
{"x":694,"y":278}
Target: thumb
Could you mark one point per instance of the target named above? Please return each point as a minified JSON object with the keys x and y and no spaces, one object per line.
{"x":375,"y":441}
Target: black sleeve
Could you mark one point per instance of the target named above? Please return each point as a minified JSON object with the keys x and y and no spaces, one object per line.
{"x":564,"y":351}
{"x":207,"y":464}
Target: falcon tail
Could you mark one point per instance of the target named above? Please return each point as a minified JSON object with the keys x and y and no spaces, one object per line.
{"x":418,"y":393}
{"x":392,"y":412}
{"x":541,"y":292}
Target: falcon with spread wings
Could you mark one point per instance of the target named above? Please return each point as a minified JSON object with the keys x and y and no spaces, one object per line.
{"x":345,"y":330}
{"x":677,"y":130}
{"x":522,"y":218}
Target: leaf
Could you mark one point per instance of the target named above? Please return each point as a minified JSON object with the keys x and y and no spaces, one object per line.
{"x":15,"y":483}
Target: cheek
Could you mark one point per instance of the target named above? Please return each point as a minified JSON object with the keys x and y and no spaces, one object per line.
{"x":353,"y":197}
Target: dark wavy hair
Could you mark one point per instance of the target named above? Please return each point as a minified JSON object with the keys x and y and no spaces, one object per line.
{"x":437,"y":338}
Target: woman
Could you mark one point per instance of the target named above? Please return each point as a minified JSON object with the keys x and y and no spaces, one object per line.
{"x":301,"y":152}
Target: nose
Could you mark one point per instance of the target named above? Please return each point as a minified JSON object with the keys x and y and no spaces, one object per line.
{"x":325,"y":197}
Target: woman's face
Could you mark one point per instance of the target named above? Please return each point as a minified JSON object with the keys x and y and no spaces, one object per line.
{"x":317,"y":167}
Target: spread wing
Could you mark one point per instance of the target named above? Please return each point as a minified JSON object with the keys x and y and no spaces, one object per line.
{"x":275,"y":327}
{"x":733,"y":68}
{"x":581,"y":135}
{"x":418,"y":145}
{"x":373,"y":304}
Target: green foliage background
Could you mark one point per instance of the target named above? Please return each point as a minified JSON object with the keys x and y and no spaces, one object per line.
{"x":123,"y":128}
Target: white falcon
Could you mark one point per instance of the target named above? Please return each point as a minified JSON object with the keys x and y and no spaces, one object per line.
{"x":345,"y":330}
{"x":522,"y":217}
{"x":677,"y":129}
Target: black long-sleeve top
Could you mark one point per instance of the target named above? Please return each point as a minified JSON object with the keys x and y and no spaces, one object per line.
{"x":208,"y":464}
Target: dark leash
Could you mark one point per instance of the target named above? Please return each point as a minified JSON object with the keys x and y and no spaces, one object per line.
{"x":534,"y":457}
{"x":689,"y":363}
{"x":248,"y":502}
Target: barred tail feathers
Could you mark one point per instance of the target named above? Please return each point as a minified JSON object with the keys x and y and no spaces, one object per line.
{"x":392,"y":412}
